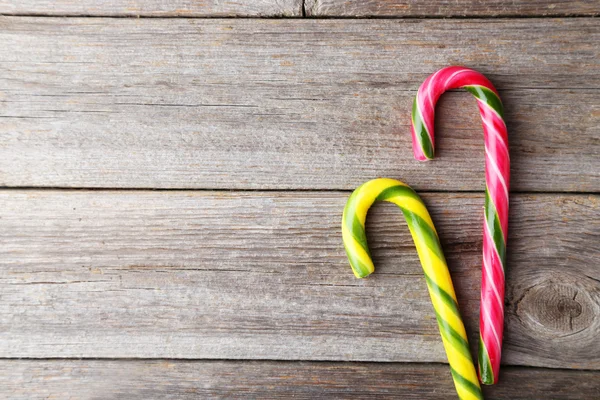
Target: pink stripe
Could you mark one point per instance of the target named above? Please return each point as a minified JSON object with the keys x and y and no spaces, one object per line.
{"x":491,"y":323}
{"x":498,"y":197}
{"x":491,"y":318}
{"x":426,"y":110}
{"x":495,"y":128}
{"x":488,"y":320}
{"x":489,"y":274}
{"x":497,"y":163}
{"x":490,"y":253}
{"x":494,"y":268}
{"x":497,"y":176}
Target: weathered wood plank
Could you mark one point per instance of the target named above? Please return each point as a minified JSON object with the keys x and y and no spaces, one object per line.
{"x":84,"y":379}
{"x":289,"y":104}
{"x":287,"y":8}
{"x":154,"y":8}
{"x":445,"y":8}
{"x":264,"y":276}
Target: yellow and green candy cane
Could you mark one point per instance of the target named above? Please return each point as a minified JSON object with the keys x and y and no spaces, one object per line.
{"x":433,"y":262}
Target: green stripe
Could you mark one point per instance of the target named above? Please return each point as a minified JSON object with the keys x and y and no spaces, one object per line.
{"x":421,"y":132}
{"x":486,"y":372}
{"x":455,"y":339}
{"x":493,"y":222}
{"x":356,"y":264}
{"x":352,"y":222}
{"x":423,"y":232}
{"x":445,"y":296}
{"x":473,"y":388}
{"x":419,"y":225}
{"x":487,"y":96}
{"x":399,"y":190}
{"x":358,"y":232}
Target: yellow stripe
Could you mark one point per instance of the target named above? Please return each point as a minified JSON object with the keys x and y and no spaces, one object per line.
{"x":463,"y":366}
{"x":356,"y":248}
{"x":346,"y":234}
{"x":464,"y":394}
{"x":414,"y":206}
{"x":435,"y":268}
{"x":362,"y":255}
{"x":368,"y":192}
{"x":448,"y":314}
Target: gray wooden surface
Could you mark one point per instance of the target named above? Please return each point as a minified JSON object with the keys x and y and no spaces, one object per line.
{"x":238,"y":285}
{"x":177,"y":379}
{"x":312,"y":8}
{"x":446,"y":8}
{"x":264,"y":276}
{"x":156,"y":8}
{"x":179,"y":103}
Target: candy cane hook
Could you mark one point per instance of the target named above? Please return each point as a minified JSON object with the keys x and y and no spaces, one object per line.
{"x":433,"y":262}
{"x":497,"y":175}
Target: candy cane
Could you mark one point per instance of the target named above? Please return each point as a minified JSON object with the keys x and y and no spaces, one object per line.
{"x":497,"y":174}
{"x":433,"y":262}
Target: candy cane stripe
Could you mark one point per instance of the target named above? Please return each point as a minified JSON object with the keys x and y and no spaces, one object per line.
{"x":486,"y":371}
{"x":486,"y":312}
{"x":431,"y":80}
{"x":474,"y":390}
{"x":437,"y":276}
{"x":491,"y":128}
{"x":490,"y":158}
{"x":487,"y":97}
{"x":494,"y":230}
{"x":496,"y":195}
{"x":453,"y":75}
{"x":420,"y":131}
{"x":488,"y":272}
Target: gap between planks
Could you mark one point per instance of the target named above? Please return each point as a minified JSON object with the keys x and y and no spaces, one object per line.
{"x":324,"y":9}
{"x":313,"y":17}
{"x":266,"y":191}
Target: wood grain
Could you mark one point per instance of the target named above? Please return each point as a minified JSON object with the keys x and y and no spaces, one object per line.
{"x":293,"y":8}
{"x":154,"y":8}
{"x":171,"y":379}
{"x":445,"y":8}
{"x":289,"y":104}
{"x":256,"y":275}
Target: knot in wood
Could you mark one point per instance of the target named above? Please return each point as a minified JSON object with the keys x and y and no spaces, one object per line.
{"x":560,"y":308}
{"x":570,"y":307}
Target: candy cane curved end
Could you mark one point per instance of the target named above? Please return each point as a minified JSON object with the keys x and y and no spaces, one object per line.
{"x":437,"y":276}
{"x":497,"y":174}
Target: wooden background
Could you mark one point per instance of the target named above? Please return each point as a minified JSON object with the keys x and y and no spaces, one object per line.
{"x":172,"y":188}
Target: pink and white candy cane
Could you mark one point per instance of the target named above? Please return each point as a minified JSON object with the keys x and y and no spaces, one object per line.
{"x":497,"y":175}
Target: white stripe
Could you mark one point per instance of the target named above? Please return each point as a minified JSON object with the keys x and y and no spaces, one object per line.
{"x":488,"y":106}
{"x":491,"y":323}
{"x":501,"y":119}
{"x":429,"y":89}
{"x":488,"y":273}
{"x":497,"y":171}
{"x":454,"y":74}
{"x":497,"y":135}
{"x":491,"y":109}
{"x":487,"y":227}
